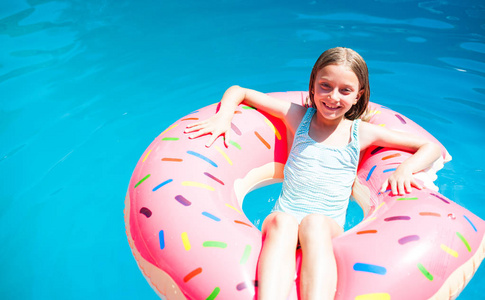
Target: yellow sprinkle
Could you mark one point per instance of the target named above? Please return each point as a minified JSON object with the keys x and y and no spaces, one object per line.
{"x":230,"y":206}
{"x":369,"y":219}
{"x":382,"y":125}
{"x":223,"y":154}
{"x":276,"y":132}
{"x":449,"y":251}
{"x":374,"y":296}
{"x":169,"y":128}
{"x":198,"y":184}
{"x":380,"y":205}
{"x":185,"y":240}
{"x":375,"y":112}
{"x":146,"y":156}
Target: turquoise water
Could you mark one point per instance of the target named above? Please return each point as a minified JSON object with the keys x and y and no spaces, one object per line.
{"x":85,"y":86}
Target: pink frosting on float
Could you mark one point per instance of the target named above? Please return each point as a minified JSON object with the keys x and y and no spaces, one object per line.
{"x":192,"y":240}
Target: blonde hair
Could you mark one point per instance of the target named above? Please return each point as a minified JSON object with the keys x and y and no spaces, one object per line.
{"x":350,"y":58}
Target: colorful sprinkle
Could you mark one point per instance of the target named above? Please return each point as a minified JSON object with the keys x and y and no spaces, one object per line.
{"x":235,"y":129}
{"x":449,"y":250}
{"x":235,"y":144}
{"x":232,"y":207}
{"x":198,"y":184}
{"x":367,"y":231}
{"x":162,"y":184}
{"x":246,"y":254}
{"x":262,"y":140}
{"x":474,"y":228}
{"x":361,"y":267}
{"x":223,"y":154}
{"x":391,"y":156}
{"x":172,"y":159}
{"x":389,"y":170}
{"x":430,"y":214}
{"x":185,"y":241}
{"x":192,"y":274}
{"x":169,"y":128}
{"x":198,"y":155}
{"x":145,"y":211}
{"x":273,"y":128}
{"x":407,"y":239}
{"x":248,"y":107}
{"x":397,"y":218}
{"x":407,"y":198}
{"x":161,"y":238}
{"x":462,"y":238}
{"x":243,"y":285}
{"x":441,"y":198}
{"x":213,"y":178}
{"x":211,"y":216}
{"x":170,"y":139}
{"x":425,"y":272}
{"x":400,"y":119}
{"x":374,"y":296}
{"x":370,"y":173}
{"x":214,"y":244}
{"x":181,"y":199}
{"x":242,"y":223}
{"x":145,"y":158}
{"x":143,"y":179}
{"x":190,"y":119}
{"x":214,"y":293}
{"x":377,"y":149}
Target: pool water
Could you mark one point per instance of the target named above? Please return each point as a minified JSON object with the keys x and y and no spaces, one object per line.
{"x":86,"y":85}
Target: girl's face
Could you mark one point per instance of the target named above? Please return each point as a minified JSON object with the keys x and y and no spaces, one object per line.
{"x":336,"y":90}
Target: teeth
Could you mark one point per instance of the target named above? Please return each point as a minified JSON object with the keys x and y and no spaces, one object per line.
{"x":329,"y":106}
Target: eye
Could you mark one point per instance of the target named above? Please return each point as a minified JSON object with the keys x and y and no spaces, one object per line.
{"x":346,"y":91}
{"x":325,"y":86}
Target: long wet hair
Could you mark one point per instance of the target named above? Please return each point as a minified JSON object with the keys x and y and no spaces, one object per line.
{"x":351,"y":59}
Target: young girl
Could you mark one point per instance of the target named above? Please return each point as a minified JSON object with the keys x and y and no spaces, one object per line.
{"x":321,"y":168}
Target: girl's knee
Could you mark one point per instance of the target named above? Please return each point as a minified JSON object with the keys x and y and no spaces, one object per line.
{"x":280,"y":222}
{"x":317,"y":225}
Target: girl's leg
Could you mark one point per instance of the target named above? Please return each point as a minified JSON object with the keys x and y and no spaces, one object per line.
{"x":318,"y":275}
{"x":276,"y":266}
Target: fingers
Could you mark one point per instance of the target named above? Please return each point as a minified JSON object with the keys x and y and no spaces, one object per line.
{"x":400,"y":186}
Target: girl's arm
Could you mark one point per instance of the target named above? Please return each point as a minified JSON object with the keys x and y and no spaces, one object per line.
{"x":220,"y":123}
{"x":425,"y":153}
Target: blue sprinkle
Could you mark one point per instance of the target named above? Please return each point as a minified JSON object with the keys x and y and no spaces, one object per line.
{"x":474,"y":228}
{"x":162,"y":184}
{"x":202,"y":157}
{"x":389,"y":170}
{"x":370,"y":268}
{"x":370,"y":173}
{"x":162,"y":239}
{"x":211,"y":216}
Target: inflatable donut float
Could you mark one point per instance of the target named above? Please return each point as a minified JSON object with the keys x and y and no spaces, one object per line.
{"x":191,"y":239}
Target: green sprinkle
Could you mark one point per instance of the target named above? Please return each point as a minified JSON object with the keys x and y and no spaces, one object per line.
{"x":214,"y":244}
{"x":235,"y":144}
{"x":144,"y":178}
{"x":462,"y":238}
{"x":248,"y":107}
{"x":425,"y":272}
{"x":214,"y":293}
{"x":247,"y":252}
{"x":405,"y":199}
{"x":170,"y":139}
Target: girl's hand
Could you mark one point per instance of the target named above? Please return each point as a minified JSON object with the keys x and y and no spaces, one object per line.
{"x":216,"y":126}
{"x":401,"y":182}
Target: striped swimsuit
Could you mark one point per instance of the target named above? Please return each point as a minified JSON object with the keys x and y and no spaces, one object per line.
{"x":319,"y":178}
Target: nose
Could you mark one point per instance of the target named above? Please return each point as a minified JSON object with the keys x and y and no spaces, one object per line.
{"x":333,"y":95}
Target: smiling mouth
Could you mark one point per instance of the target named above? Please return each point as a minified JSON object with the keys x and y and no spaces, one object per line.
{"x":330,"y":107}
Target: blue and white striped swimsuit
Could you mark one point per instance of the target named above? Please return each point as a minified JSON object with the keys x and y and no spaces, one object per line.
{"x":319,"y":178}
